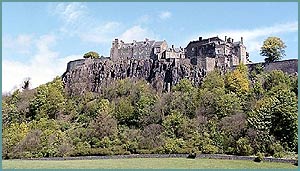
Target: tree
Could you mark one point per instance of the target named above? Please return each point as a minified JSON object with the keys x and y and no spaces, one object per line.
{"x":276,"y":115}
{"x":174,"y":125}
{"x":273,"y":49}
{"x":103,"y":125}
{"x":213,"y":80}
{"x":49,"y":100}
{"x":26,"y":83}
{"x":237,"y":81}
{"x":91,"y":55}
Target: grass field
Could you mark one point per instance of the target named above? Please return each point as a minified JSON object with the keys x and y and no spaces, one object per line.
{"x":159,"y":163}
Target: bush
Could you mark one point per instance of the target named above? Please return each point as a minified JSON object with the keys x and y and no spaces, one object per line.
{"x":276,"y":150}
{"x":118,"y":150}
{"x":100,"y":152}
{"x":27,"y":155}
{"x":243,"y":147}
{"x":278,"y":154}
{"x":210,"y":149}
{"x":259,"y":157}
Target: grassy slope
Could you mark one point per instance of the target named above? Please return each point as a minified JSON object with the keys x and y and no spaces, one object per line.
{"x":179,"y":163}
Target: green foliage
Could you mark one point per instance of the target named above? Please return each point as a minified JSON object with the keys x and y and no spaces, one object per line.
{"x":184,"y":85}
{"x":49,"y":100}
{"x":173,"y":125}
{"x":276,"y":150}
{"x":243,"y":147}
{"x":173,"y":145}
{"x":273,"y":49}
{"x":103,"y":126}
{"x":275,"y":78}
{"x":227,"y":114}
{"x":237,"y":81}
{"x":259,"y":157}
{"x":91,"y":55}
{"x":226,"y":105}
{"x":209,"y":149}
{"x":213,"y":80}
{"x":285,"y":116}
{"x":124,"y":112}
{"x":11,"y":136}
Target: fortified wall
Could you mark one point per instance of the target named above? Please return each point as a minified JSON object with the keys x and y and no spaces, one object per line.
{"x":87,"y":75}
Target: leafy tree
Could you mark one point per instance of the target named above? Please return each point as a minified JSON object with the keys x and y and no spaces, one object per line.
{"x":174,"y":125}
{"x":273,"y":49}
{"x":276,"y":115}
{"x":184,"y":85}
{"x":152,"y":136}
{"x":243,"y":147}
{"x":206,"y":100}
{"x":213,"y":80}
{"x":124,"y":112}
{"x":226,"y":105}
{"x":103,"y":126}
{"x":285,"y":116}
{"x":237,"y":81}
{"x":12,"y":135}
{"x":275,"y":78}
{"x":91,"y":55}
{"x":49,"y":100}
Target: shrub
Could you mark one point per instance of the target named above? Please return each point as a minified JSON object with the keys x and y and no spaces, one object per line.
{"x":259,"y":157}
{"x":210,"y":149}
{"x":27,"y":155}
{"x":243,"y":147}
{"x":100,"y":152}
{"x":276,"y":150}
{"x":118,"y":150}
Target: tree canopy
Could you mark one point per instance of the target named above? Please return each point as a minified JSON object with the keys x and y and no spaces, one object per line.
{"x":91,"y":54}
{"x":273,"y":49}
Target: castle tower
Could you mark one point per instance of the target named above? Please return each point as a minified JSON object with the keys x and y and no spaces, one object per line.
{"x":242,"y":52}
{"x":114,"y":51}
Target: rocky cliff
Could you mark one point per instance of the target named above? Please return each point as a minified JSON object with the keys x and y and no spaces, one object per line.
{"x":86,"y":75}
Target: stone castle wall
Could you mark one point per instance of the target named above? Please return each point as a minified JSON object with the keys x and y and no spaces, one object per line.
{"x":287,"y":66}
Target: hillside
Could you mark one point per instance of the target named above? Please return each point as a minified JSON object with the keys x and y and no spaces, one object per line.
{"x":90,"y":111}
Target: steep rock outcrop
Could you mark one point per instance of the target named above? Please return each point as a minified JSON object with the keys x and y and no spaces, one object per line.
{"x":91,"y":75}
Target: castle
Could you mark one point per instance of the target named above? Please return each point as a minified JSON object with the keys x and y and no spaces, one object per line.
{"x":207,"y":54}
{"x":162,"y":66}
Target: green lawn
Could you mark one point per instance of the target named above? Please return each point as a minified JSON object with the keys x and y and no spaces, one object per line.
{"x":179,"y":163}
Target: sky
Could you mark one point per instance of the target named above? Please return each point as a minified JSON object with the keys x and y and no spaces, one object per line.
{"x":39,"y":39}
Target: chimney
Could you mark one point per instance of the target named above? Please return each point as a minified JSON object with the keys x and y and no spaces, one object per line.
{"x":225,"y":38}
{"x":200,"y":38}
{"x":232,"y":40}
{"x":242,"y":41}
{"x":172,"y":46}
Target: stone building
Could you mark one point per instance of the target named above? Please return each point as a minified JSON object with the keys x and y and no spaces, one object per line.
{"x":216,"y":53}
{"x":208,"y":53}
{"x":148,"y":49}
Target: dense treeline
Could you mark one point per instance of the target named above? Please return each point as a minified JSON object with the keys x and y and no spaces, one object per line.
{"x":237,"y":113}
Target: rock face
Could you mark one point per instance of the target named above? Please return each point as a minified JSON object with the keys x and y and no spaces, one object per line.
{"x":91,"y":75}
